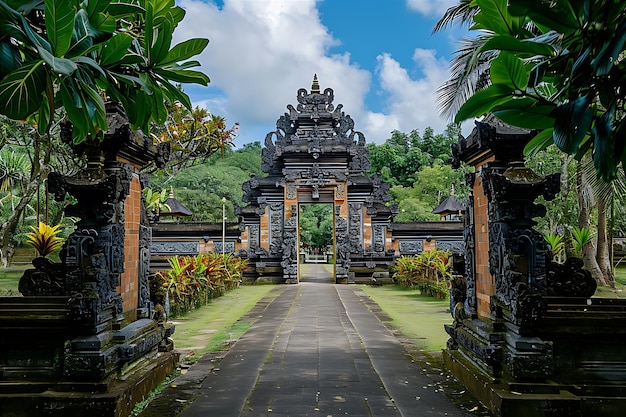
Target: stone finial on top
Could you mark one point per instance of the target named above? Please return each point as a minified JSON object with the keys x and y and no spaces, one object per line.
{"x":315,"y":88}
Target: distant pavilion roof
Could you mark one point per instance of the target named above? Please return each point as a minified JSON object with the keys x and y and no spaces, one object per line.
{"x":449,"y":206}
{"x":177,"y":209}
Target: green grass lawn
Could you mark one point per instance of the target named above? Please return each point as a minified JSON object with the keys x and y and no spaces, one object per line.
{"x":9,"y":279}
{"x":418,"y":317}
{"x":222,"y":321}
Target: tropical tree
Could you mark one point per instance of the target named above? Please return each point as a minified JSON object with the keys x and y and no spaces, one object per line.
{"x":61,"y":60}
{"x":556,"y":67}
{"x":194,"y":134}
{"x":79,"y":54}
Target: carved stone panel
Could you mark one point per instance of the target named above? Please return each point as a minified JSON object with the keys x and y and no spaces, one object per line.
{"x":454,"y":246}
{"x":355,"y":217}
{"x":276,"y":227}
{"x":175,"y":248}
{"x":229,"y":247}
{"x":378,"y":237}
{"x":411,"y":247}
{"x":254,"y":237}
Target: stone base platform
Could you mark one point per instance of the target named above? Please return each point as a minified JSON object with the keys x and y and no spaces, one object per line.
{"x":114,"y":397}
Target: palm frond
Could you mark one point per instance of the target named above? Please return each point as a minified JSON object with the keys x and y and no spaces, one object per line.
{"x":461,"y":13}
{"x":469,"y":72}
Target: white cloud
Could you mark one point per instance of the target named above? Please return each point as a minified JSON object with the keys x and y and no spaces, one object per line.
{"x":430,"y":7}
{"x":411,"y":101}
{"x":261,"y":52}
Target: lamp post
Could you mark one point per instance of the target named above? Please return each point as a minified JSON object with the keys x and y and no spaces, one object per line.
{"x":224,"y":228}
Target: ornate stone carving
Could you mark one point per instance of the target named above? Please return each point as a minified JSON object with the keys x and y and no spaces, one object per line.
{"x":570,"y":279}
{"x":254,"y":237}
{"x":175,"y":248}
{"x":378,"y":232}
{"x":355,"y":217}
{"x":291,"y":190}
{"x":229,"y":247}
{"x":290,"y":250}
{"x":411,"y":247}
{"x":342,"y":239}
{"x":456,"y":247}
{"x":313,"y":149}
{"x":276,"y":228}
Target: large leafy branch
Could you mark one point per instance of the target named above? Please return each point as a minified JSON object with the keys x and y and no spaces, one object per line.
{"x":559,"y":67}
{"x":77,"y":55}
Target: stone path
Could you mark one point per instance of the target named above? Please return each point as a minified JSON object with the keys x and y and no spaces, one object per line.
{"x":317,"y":350}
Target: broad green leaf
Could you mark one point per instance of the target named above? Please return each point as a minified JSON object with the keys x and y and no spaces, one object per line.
{"x":61,"y":66}
{"x":91,"y":63}
{"x":34,"y":37}
{"x":20,"y":91}
{"x":177,"y":14}
{"x":45,"y":111}
{"x":76,"y":113}
{"x":512,"y":44}
{"x":183,"y":65}
{"x":115,"y":49}
{"x":174,"y":94}
{"x":96,"y":6}
{"x":557,"y":15}
{"x":610,"y":52}
{"x":539,"y":143}
{"x":185,"y":50}
{"x":157,"y":106}
{"x":573,"y":120}
{"x":507,"y":69}
{"x":184,"y":76}
{"x":97,"y":112}
{"x":161,"y":43}
{"x":124,"y":9}
{"x":525,"y":112}
{"x":161,"y":7}
{"x":103,"y":22}
{"x":59,"y":16}
{"x":483,"y":101}
{"x":607,"y":151}
{"x":494,"y":16}
{"x":9,"y":57}
{"x":82,"y":37}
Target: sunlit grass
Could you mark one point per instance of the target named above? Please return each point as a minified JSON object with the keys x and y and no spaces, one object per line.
{"x":620,"y":285}
{"x":212,"y":327}
{"x":417,"y":316}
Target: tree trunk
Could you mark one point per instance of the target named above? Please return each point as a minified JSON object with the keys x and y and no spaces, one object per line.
{"x":603,"y":255}
{"x":585,"y":205}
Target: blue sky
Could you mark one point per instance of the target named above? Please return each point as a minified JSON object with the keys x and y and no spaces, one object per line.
{"x":379,"y":56}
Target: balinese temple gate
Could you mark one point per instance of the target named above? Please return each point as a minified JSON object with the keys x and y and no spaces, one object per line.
{"x":316,"y":156}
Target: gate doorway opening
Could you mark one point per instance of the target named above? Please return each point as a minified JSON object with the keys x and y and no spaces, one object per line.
{"x":316,"y":242}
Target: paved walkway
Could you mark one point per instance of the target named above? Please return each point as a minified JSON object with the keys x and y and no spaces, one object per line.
{"x":317,"y":350}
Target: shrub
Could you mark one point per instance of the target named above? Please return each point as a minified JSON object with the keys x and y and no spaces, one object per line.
{"x":44,"y":238}
{"x":194,"y":280}
{"x":428,"y":271}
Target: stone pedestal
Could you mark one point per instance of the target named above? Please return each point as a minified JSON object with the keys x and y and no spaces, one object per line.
{"x":527,"y":337}
{"x":82,"y":340}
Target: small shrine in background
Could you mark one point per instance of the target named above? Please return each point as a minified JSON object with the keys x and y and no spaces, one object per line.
{"x":450,"y":209}
{"x":177,"y":210}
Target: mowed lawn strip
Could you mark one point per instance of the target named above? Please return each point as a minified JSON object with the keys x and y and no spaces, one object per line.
{"x":418,"y":317}
{"x":220,"y":322}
